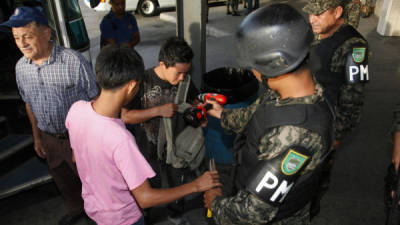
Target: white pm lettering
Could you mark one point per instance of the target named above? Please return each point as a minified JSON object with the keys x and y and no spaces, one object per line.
{"x":270,"y":181}
{"x":282,"y":189}
{"x":354,"y":70}
{"x":264,"y":182}
{"x":364,"y":72}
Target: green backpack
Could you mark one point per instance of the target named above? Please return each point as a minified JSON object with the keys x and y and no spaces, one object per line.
{"x":181,"y":145}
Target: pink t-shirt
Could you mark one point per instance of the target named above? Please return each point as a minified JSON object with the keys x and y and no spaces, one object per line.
{"x":109,"y":164}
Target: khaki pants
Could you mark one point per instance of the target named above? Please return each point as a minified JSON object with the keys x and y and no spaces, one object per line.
{"x":64,"y":172}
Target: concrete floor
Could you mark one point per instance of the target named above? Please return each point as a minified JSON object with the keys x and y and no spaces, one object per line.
{"x":356,"y":192}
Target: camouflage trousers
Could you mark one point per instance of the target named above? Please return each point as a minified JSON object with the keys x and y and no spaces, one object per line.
{"x":301,"y":217}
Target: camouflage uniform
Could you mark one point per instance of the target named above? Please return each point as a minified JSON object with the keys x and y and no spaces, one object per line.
{"x":351,"y":13}
{"x":351,"y":97}
{"x":244,"y":207}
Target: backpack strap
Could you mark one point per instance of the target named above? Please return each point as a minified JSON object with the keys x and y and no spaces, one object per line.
{"x":165,"y":134}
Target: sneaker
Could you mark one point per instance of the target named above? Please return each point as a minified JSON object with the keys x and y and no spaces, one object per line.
{"x":179,"y":220}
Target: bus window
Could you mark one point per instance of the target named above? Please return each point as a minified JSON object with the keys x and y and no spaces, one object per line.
{"x":75,"y":25}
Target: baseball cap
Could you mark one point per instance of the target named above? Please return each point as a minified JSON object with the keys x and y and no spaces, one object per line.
{"x":24,"y":15}
{"x":317,"y":7}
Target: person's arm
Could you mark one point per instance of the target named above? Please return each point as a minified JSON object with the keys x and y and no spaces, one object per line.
{"x":245,"y":207}
{"x":396,"y":150}
{"x":233,"y":120}
{"x":149,"y":197}
{"x":39,"y":149}
{"x":135,"y":39}
{"x":396,"y":137}
{"x":87,"y":79}
{"x":135,"y":116}
{"x":107,"y":31}
{"x":349,"y":108}
{"x":353,"y":55}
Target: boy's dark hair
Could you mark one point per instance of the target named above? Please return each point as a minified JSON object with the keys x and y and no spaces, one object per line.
{"x":175,"y":50}
{"x":117,"y":65}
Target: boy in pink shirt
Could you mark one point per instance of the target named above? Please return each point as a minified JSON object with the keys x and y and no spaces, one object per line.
{"x":112,"y":170}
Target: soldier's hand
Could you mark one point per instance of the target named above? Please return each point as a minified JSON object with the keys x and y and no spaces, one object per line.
{"x":216,"y":109}
{"x":39,"y":149}
{"x":396,"y":151}
{"x":210,"y":195}
{"x":167,"y":110}
{"x":208,"y":180}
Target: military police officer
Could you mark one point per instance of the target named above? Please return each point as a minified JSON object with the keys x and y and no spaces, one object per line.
{"x":285,"y":135}
{"x":339,"y":60}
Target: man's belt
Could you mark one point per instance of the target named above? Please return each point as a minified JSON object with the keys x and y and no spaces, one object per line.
{"x":58,"y":135}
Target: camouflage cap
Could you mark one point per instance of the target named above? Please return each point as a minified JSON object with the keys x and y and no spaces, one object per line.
{"x":317,"y":7}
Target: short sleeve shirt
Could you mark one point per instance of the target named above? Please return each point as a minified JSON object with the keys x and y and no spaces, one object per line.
{"x":155,"y":92}
{"x":121,"y":30}
{"x":51,"y":88}
{"x":109,"y":164}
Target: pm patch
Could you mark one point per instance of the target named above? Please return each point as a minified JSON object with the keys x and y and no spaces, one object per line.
{"x":359,"y":54}
{"x":293,"y":162}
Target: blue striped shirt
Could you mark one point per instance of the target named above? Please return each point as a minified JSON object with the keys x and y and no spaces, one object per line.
{"x":51,"y":88}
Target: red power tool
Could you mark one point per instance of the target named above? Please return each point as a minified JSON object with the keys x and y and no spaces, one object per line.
{"x":197,"y":114}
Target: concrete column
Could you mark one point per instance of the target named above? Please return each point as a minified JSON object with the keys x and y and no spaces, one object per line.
{"x":389,"y":20}
{"x":191,"y":25}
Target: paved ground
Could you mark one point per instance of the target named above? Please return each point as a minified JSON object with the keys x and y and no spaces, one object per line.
{"x":356,"y":192}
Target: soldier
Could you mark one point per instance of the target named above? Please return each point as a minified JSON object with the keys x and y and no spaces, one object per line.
{"x":367,"y":8}
{"x":351,"y":13}
{"x":278,"y":150}
{"x":339,"y":60}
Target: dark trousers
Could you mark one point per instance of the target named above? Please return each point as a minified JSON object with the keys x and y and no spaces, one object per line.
{"x":63,"y":171}
{"x":232,"y":4}
{"x":250,"y":5}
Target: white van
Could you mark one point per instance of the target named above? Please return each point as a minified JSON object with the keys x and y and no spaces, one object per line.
{"x":144,"y":7}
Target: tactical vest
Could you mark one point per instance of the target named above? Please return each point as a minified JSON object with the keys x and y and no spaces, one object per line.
{"x":315,"y":117}
{"x":321,"y":59}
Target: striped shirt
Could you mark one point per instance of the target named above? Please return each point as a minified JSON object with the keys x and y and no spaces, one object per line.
{"x":51,"y":88}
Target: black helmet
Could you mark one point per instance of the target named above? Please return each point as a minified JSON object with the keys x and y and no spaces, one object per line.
{"x":274,"y":40}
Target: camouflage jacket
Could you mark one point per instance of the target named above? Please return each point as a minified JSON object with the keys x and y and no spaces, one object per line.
{"x":351,"y":96}
{"x":244,"y":207}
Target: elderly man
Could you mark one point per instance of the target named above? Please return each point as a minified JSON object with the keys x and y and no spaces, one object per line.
{"x":339,"y":61}
{"x":285,"y":135}
{"x":50,"y":78}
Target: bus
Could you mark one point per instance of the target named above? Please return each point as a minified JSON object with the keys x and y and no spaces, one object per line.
{"x":20,"y":168}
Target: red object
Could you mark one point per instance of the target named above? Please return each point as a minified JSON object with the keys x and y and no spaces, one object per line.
{"x":221,"y":99}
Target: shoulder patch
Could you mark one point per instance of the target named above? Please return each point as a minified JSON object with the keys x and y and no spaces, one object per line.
{"x":359,"y":54}
{"x":293,"y":162}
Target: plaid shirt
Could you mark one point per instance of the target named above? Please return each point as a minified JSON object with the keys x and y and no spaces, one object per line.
{"x":51,"y":88}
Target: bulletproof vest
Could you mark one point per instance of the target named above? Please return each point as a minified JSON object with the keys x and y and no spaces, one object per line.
{"x":321,"y":58}
{"x":315,"y":117}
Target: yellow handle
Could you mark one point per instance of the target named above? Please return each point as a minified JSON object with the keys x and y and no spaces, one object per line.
{"x":209,"y":213}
